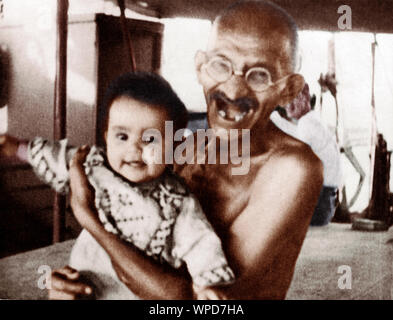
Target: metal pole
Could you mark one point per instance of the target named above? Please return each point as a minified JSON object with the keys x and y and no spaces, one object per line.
{"x":60,"y":106}
{"x":126,"y":35}
{"x":374,"y":129}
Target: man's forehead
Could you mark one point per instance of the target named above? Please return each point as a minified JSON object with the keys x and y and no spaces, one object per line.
{"x":245,"y":39}
{"x":267,"y":48}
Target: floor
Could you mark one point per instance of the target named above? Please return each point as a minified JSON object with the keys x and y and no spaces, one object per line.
{"x":365,"y":259}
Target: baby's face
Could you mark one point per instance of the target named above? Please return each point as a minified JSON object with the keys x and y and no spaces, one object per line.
{"x":135,"y":139}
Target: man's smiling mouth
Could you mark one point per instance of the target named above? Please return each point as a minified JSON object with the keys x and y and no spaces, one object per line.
{"x":232,"y":111}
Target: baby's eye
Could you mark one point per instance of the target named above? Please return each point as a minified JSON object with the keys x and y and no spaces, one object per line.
{"x":122,"y":136}
{"x":148,"y":139}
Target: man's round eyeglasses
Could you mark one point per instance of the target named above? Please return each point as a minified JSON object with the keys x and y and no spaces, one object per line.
{"x":221,"y":70}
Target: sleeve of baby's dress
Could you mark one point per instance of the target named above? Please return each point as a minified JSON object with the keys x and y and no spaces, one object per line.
{"x":50,"y":162}
{"x":196,"y":243}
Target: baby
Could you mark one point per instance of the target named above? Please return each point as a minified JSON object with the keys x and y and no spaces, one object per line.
{"x":137,"y":196}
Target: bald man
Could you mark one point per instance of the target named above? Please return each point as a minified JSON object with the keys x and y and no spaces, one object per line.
{"x":262,"y":216}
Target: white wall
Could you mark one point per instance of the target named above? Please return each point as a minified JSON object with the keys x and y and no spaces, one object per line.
{"x":182,"y":39}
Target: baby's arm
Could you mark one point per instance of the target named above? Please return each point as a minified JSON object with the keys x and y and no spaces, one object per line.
{"x":50,"y":162}
{"x":196,"y":243}
{"x":11,"y":147}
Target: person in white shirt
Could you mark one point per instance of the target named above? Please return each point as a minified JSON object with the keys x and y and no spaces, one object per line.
{"x":299,"y":120}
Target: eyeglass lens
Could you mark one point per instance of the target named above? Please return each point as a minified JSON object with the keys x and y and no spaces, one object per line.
{"x":221,"y":70}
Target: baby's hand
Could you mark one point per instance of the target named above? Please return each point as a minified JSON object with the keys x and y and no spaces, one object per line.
{"x":8,"y":146}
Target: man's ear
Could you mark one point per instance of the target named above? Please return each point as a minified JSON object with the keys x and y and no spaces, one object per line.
{"x":290,"y":88}
{"x":199,"y":59}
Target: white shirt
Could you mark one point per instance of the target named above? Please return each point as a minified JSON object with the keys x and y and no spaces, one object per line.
{"x":311,"y":131}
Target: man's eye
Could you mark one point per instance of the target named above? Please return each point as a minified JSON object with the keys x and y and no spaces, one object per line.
{"x":220,"y":66}
{"x":258,"y":76}
{"x":122,"y":136}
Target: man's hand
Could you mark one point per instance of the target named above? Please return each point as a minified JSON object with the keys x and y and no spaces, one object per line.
{"x":67,"y":285}
{"x":208,"y":294}
{"x":8,"y":146}
{"x":81,"y":192}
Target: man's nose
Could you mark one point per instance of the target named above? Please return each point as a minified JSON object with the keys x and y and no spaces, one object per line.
{"x":235,"y":87}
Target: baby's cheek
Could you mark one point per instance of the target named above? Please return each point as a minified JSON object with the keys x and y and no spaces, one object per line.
{"x":113,"y":159}
{"x":152,"y":154}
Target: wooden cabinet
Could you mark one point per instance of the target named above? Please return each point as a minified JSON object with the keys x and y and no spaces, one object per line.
{"x":112,"y":57}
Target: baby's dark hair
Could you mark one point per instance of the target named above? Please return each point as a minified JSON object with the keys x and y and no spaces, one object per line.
{"x":149,"y":88}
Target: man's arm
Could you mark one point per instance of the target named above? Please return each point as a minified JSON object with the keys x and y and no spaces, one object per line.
{"x":142,"y":275}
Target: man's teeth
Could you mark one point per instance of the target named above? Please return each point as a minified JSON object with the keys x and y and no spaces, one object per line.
{"x":222,"y":113}
{"x":238,"y":117}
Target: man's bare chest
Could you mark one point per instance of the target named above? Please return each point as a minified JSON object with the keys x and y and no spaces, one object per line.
{"x":222,"y":198}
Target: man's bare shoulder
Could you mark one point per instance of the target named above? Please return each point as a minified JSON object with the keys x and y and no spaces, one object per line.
{"x":291,"y":160}
{"x":292,"y":152}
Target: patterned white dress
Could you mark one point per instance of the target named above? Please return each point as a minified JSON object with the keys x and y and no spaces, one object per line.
{"x":160,"y":217}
